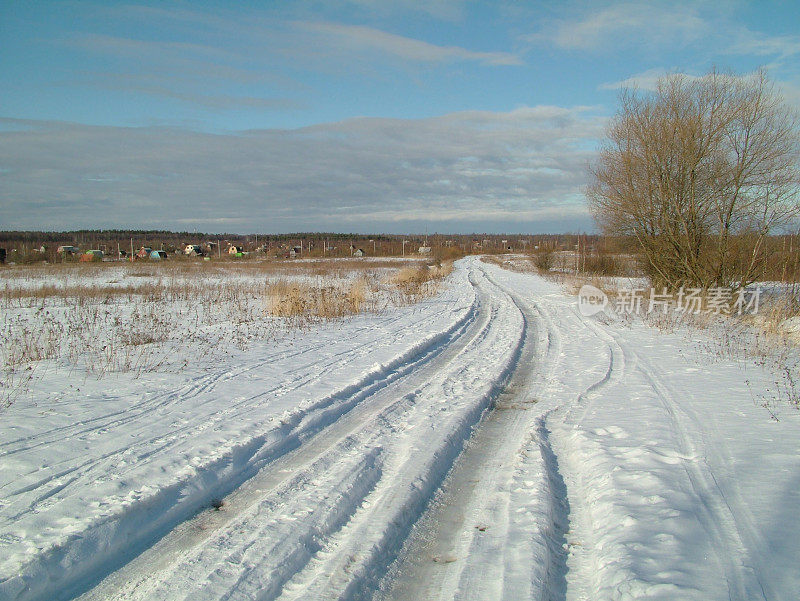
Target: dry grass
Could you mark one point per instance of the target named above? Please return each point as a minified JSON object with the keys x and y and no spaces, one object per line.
{"x":132,"y":318}
{"x":302,"y":301}
{"x":421,"y":280}
{"x":518,"y":263}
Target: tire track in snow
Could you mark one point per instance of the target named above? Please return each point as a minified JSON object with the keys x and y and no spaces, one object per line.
{"x":357,"y":559}
{"x":498,"y":529}
{"x":379,"y":413}
{"x":150,"y":404}
{"x":729,"y":528}
{"x":259,"y":452}
{"x":322,"y":409}
{"x":564,"y":395}
{"x":590,"y":562}
{"x":528,"y":553}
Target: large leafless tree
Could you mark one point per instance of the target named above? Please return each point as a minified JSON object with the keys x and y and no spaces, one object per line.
{"x":699,"y":171}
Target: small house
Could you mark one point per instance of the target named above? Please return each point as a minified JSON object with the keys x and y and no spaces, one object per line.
{"x":193,"y":250}
{"x":295,"y":251}
{"x":358,"y":252}
{"x":67,"y":250}
{"x":144,"y":252}
{"x":92,"y":255}
{"x":424,"y":250}
{"x":158,"y":255}
{"x":234,"y":250}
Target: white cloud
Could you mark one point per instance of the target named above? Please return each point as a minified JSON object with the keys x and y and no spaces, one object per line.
{"x":360,"y":38}
{"x":627,"y":23}
{"x":646,"y":80}
{"x":474,"y":171}
{"x":215,"y":101}
{"x":757,"y":44}
{"x":450,"y":10}
{"x":248,"y":56}
{"x":652,"y":26}
{"x":149,"y":49}
{"x":791,"y":92}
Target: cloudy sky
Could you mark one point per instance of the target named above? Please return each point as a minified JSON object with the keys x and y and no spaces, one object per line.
{"x":352,"y":116}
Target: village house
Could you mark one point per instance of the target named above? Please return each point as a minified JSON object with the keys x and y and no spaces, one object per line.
{"x":144,"y":252}
{"x":92,"y":255}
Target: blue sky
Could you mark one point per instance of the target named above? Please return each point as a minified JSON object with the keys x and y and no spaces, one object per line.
{"x":366,"y":116}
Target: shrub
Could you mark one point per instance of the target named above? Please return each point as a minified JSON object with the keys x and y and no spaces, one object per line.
{"x":543,"y":260}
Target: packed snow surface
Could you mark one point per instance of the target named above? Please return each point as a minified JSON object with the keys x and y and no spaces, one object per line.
{"x":487,"y":443}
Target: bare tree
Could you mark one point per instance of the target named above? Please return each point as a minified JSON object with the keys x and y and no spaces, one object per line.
{"x":699,"y":171}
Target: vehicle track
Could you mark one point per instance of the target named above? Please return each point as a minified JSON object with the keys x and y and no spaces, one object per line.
{"x":729,"y":529}
{"x":498,"y":529}
{"x":380,"y":415}
{"x":279,"y":439}
{"x":127,"y":457}
{"x":162,"y":401}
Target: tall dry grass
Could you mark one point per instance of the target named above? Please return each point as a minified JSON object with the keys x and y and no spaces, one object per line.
{"x":136,"y":318}
{"x":421,"y":280}
{"x":304,"y":301}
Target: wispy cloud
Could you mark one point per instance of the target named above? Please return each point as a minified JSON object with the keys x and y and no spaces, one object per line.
{"x":360,"y":38}
{"x":148,"y":49}
{"x":645,"y":80}
{"x":758,"y":44}
{"x":653,"y":26}
{"x":622,"y":24}
{"x":151,"y":85}
{"x":522,"y":170}
{"x":198,"y":74}
{"x":240,"y":65}
{"x":450,"y":10}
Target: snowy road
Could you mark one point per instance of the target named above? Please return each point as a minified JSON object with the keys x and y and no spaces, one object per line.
{"x":608,"y":463}
{"x":624,"y":464}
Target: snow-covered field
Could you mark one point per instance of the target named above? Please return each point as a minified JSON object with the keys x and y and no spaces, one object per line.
{"x":489,"y":442}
